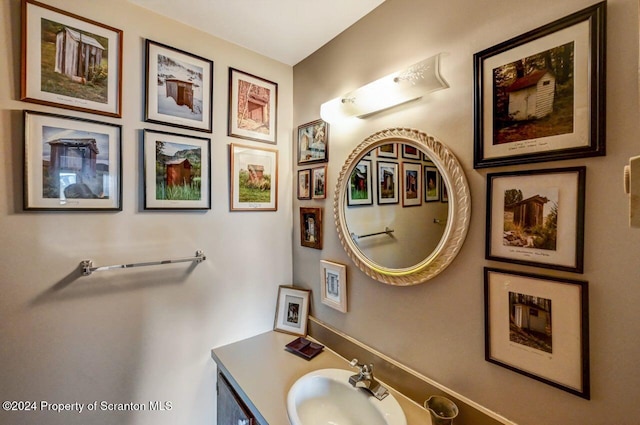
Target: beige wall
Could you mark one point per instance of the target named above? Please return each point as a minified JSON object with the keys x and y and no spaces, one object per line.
{"x":143,"y":334}
{"x":437,"y":328}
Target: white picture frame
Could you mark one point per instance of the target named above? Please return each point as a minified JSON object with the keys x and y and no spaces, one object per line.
{"x":333,"y":285}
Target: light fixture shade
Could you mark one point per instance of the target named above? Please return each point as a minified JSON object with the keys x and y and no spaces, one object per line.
{"x":389,"y":91}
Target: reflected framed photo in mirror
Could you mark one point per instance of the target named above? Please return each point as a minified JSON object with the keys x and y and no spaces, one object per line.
{"x":359,"y":189}
{"x":431,"y":183}
{"x":388,"y":150}
{"x":412,"y":184}
{"x":333,"y":285}
{"x":292,"y":310}
{"x":388,"y":184}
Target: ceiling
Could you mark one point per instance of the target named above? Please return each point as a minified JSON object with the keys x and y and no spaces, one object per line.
{"x":285,"y":30}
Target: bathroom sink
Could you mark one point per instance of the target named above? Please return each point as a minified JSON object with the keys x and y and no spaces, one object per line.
{"x":325,"y":397}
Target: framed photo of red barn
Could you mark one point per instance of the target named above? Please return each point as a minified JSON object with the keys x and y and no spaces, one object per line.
{"x":177,"y":171}
{"x":53,"y":40}
{"x":253,"y":107}
{"x":541,"y":96}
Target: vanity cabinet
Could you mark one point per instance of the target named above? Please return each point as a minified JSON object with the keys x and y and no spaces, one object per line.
{"x":231,"y":410}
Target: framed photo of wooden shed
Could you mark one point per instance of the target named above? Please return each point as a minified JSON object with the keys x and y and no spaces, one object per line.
{"x":253,"y":107}
{"x":254,"y":178}
{"x":70,"y":61}
{"x":179,"y":88}
{"x":177,"y":171}
{"x":541,"y":96}
{"x":71,"y":163}
{"x":536,"y":218}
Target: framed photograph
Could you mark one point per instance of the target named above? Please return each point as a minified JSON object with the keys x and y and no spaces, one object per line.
{"x":292,"y":310}
{"x":432,"y":183}
{"x":313,"y":142}
{"x":311,"y":227}
{"x":541,"y":96}
{"x":412,"y":184}
{"x":179,"y":88}
{"x":253,"y":107}
{"x":319,"y":182}
{"x":360,"y":190}
{"x":388,"y":184}
{"x":177,"y":171}
{"x":444,"y":194}
{"x":390,"y":150}
{"x":52,"y":42}
{"x":254,"y":178}
{"x":71,"y":163}
{"x":411,"y":152}
{"x":304,"y":184}
{"x":333,"y":285}
{"x":538,"y":326}
{"x":537,"y":218}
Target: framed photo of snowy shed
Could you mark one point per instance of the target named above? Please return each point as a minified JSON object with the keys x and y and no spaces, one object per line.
{"x":177,"y":171}
{"x":253,"y":107}
{"x":538,"y":326}
{"x":71,"y":163}
{"x":254,"y":178}
{"x":536,"y":218}
{"x":179,"y":88}
{"x":69,"y":61}
{"x":541,"y":96}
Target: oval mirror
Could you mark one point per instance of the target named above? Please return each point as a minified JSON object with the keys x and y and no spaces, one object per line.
{"x":402,"y":206}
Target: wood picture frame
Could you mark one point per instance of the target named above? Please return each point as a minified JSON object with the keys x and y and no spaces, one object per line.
{"x":538,"y":326}
{"x":319,"y":182}
{"x":360,"y":189}
{"x":388,"y":189}
{"x":333,"y":285}
{"x":179,"y":88}
{"x":313,"y":142}
{"x":304,"y":184}
{"x":253,"y":107}
{"x":51,"y":40}
{"x":541,"y":96}
{"x":71,"y":163}
{"x":292,"y":310}
{"x":536,"y":218}
{"x":311,"y":227}
{"x":177,"y":171}
{"x":254,"y":178}
{"x":411,"y":184}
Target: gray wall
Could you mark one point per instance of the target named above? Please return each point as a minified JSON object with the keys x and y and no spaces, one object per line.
{"x":437,"y":327}
{"x":133,"y":336}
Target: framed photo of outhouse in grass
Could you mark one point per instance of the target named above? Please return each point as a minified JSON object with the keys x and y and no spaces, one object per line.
{"x":360,"y":188}
{"x":71,"y":163}
{"x":177,"y":171}
{"x":536,"y":218}
{"x":253,"y":107}
{"x":70,"y":61}
{"x":538,"y":326}
{"x":541,"y":96}
{"x":179,"y":88}
{"x":254,"y":178}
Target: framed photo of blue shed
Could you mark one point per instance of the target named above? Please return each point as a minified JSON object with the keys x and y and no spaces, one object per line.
{"x":71,"y":163}
{"x":177,"y":171}
{"x":69,"y":61}
{"x":179,"y":88}
{"x":541,"y":96}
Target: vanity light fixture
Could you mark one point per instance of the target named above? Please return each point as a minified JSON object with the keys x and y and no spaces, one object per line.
{"x":392,"y":90}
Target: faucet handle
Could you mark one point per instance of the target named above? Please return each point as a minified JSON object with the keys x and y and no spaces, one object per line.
{"x":354,"y":363}
{"x":362,"y":367}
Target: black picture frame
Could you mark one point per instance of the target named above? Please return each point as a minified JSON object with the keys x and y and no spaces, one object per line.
{"x":507,"y":121}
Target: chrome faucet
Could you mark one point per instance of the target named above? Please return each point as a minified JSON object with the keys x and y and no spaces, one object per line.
{"x":364,"y":379}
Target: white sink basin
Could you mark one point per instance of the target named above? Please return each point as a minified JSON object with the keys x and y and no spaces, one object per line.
{"x":325,"y":397}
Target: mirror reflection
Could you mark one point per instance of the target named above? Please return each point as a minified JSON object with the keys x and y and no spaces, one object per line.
{"x":396,"y":205}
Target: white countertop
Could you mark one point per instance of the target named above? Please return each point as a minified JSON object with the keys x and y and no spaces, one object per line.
{"x":262,"y":371}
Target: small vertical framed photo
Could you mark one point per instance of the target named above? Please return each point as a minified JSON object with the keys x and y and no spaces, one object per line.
{"x":444,"y":194}
{"x":304,"y":184}
{"x":431,"y":183}
{"x":52,"y":42}
{"x":389,"y":150}
{"x":177,"y":171}
{"x":360,"y":189}
{"x":254,"y":178}
{"x":253,"y":107}
{"x":319,"y":182}
{"x":313,"y":142}
{"x":179,"y":88}
{"x":538,"y":326}
{"x":333,"y":285}
{"x":412,"y":184}
{"x":71,"y":163}
{"x":292,"y":310}
{"x":388,"y":183}
{"x":311,"y":227}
